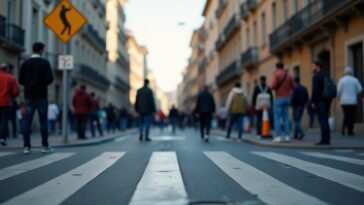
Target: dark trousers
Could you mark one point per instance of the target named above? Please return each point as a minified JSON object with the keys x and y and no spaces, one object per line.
{"x":235,"y":118}
{"x":13,"y":122}
{"x":41,"y":106}
{"x":297,"y":118}
{"x":144,"y":124}
{"x":94,"y":117}
{"x":349,"y":118}
{"x":111,"y":125}
{"x":4,"y":120}
{"x":259,"y":122}
{"x":322,"y":110}
{"x":205,"y":124}
{"x":81,"y":125}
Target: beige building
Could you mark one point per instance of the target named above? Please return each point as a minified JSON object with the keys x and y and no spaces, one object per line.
{"x":254,"y":34}
{"x":137,"y":58}
{"x":118,"y":66}
{"x":160,"y":97}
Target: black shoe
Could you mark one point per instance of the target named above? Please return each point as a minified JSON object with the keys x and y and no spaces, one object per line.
{"x":3,"y":143}
{"x":322,"y":143}
{"x":148,"y":139}
{"x":351,"y":134}
{"x":82,"y":138}
{"x":301,"y":136}
{"x":141,"y":138}
{"x":207,"y":140}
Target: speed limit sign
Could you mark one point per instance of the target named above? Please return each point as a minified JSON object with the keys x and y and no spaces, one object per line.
{"x":65,"y":62}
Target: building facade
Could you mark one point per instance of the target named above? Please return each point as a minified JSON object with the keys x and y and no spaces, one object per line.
{"x":118,"y":66}
{"x":252,"y":35}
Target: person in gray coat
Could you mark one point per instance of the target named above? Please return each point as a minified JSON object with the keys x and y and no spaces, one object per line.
{"x":145,"y":107}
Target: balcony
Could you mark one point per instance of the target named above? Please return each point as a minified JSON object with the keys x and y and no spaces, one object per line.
{"x":93,"y":36}
{"x":229,"y":73}
{"x":203,"y":35}
{"x":312,"y":17}
{"x":250,"y":58}
{"x":244,"y":11}
{"x":123,"y":37}
{"x":232,"y":27}
{"x":13,"y":38}
{"x":221,"y":7}
{"x":99,"y":6}
{"x":202,"y":66}
{"x":123,"y":61}
{"x":220,"y":43}
{"x":252,"y":4}
{"x":90,"y":75}
{"x":121,"y":84}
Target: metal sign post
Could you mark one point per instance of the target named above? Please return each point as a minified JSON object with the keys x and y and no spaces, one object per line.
{"x":65,"y":21}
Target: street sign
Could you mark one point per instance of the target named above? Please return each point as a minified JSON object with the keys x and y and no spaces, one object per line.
{"x":65,"y":21}
{"x":65,"y":62}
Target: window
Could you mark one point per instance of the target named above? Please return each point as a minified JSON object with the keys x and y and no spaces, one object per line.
{"x":255,"y":33}
{"x":247,"y":39}
{"x":285,"y":10}
{"x":274,"y":16}
{"x":294,"y":6}
{"x":264,"y":33}
{"x":35,"y":20}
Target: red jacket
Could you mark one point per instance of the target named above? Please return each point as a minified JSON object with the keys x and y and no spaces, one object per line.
{"x":285,"y":90}
{"x":94,"y":105}
{"x":81,"y":102}
{"x":9,"y":89}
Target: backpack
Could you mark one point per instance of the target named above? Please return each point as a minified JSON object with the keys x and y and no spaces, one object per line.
{"x":329,"y":90}
{"x":238,"y":104}
{"x":263,"y":99}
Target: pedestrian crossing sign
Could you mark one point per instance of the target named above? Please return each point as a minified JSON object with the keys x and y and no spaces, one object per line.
{"x":65,"y":21}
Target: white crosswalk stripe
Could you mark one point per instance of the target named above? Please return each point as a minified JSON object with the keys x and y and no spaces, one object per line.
{"x":60,"y":188}
{"x":345,"y":178}
{"x":168,"y":138}
{"x":161,"y":182}
{"x":33,"y":164}
{"x":335,"y":157}
{"x":361,"y":154}
{"x":259,"y":183}
{"x":121,"y":139}
{"x":3,"y":154}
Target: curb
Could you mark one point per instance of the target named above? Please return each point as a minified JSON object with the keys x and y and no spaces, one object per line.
{"x":325,"y":147}
{"x":101,"y":140}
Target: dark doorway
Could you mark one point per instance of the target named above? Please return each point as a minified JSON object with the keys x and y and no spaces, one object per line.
{"x":297,"y":71}
{"x":324,"y":57}
{"x":358,"y":66}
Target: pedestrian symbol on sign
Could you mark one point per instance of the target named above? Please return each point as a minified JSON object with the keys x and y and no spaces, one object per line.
{"x":64,"y":19}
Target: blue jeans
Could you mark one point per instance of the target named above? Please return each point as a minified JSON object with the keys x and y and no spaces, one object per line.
{"x":52,"y":126}
{"x":40,"y":105}
{"x":123,"y":123}
{"x":323,"y":109}
{"x":144,"y":124}
{"x":235,"y":118}
{"x":174,"y":124}
{"x":281,"y":107}
{"x":297,"y":117}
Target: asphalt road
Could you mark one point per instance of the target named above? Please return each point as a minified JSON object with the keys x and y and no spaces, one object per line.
{"x":181,"y":170}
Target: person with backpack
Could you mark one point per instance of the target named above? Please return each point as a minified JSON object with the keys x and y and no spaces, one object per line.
{"x":237,"y":107}
{"x":323,"y":91}
{"x":205,"y":107}
{"x":348,"y":89}
{"x":283,"y":86}
{"x":262,"y":98}
{"x":298,"y":103}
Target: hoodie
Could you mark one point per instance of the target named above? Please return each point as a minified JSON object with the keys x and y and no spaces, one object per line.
{"x":81,"y":102}
{"x":231,"y":95}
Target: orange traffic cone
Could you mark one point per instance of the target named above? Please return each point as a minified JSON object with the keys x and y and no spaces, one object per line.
{"x":247,"y":126}
{"x":266,"y":125}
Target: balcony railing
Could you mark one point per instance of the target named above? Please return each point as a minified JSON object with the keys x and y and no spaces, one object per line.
{"x":123,"y":61}
{"x":232,"y":26}
{"x":244,"y":11}
{"x":15,"y":34}
{"x":122,"y":84}
{"x":99,"y":6}
{"x":231,"y":72}
{"x":252,"y":4}
{"x":94,"y":37}
{"x":123,"y":37}
{"x":203,"y":35}
{"x":220,"y":43}
{"x":312,"y":14}
{"x":202,"y":66}
{"x":221,"y":8}
{"x":2,"y":26}
{"x":250,"y":57}
{"x":89,"y":74}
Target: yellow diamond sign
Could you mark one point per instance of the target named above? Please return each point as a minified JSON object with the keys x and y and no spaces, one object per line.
{"x":65,"y":21}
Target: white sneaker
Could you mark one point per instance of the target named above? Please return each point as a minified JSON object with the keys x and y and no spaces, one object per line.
{"x":238,"y":140}
{"x":287,"y":139}
{"x":27,"y":150}
{"x":258,"y":137}
{"x":48,"y":149}
{"x":277,"y":140}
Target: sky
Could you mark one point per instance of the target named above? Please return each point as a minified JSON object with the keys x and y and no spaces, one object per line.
{"x":156,"y":25}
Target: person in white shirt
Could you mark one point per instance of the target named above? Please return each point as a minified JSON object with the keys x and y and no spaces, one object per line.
{"x":53,"y":113}
{"x":348,"y":89}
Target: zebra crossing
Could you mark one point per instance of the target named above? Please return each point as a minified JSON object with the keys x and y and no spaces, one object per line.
{"x":163,"y":182}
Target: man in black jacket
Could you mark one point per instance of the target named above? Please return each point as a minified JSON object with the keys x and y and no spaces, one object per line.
{"x":299,"y":101}
{"x":35,"y":75}
{"x":205,"y":107}
{"x":173,"y":118}
{"x":321,"y":103}
{"x":145,"y":107}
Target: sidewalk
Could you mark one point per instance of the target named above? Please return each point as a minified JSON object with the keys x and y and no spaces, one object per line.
{"x":56,"y":141}
{"x":312,"y":136}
